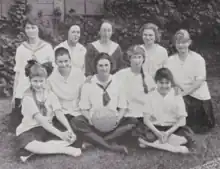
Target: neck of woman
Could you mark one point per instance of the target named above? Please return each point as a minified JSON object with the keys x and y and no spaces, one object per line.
{"x":149,"y":46}
{"x":33,"y":40}
{"x":104,"y":41}
{"x":136,"y":69}
{"x":71,"y":43}
{"x":183,"y":55}
{"x":65,"y":72}
{"x":161,"y":93}
{"x":103,"y":78}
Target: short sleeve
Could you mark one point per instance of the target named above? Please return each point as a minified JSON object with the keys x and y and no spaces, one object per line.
{"x":54,"y":102}
{"x":181,"y":108}
{"x":18,"y":59}
{"x":29,"y":107}
{"x":148,"y":110}
{"x":200,"y":71}
{"x":84,"y":102}
{"x":122,"y":101}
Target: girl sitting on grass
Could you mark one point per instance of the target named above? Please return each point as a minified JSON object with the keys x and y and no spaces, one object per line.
{"x":165,"y":117}
{"x":36,"y":133}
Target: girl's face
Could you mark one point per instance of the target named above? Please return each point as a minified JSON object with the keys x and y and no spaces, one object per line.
{"x":136,"y":60}
{"x":106,"y":31}
{"x":38,"y":83}
{"x":183,"y":46}
{"x":103,"y":67}
{"x":31,"y":31}
{"x":63,"y":61}
{"x":149,"y":36}
{"x":74,"y":34}
{"x":163,"y":86}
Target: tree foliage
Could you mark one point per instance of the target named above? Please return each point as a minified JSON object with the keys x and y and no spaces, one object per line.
{"x":200,"y":17}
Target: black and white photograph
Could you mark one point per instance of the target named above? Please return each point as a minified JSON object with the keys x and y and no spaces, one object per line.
{"x":109,"y":84}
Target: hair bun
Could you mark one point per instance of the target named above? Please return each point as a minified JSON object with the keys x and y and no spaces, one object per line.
{"x":30,"y":63}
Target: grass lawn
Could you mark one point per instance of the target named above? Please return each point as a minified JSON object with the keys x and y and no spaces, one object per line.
{"x":208,"y":147}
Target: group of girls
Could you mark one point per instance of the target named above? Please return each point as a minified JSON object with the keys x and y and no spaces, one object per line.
{"x":161,"y":101}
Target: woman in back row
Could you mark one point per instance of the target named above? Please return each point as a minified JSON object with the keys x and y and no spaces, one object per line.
{"x":192,"y":81}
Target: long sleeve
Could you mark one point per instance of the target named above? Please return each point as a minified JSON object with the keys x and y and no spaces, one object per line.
{"x":89,"y":57}
{"x":118,"y":61}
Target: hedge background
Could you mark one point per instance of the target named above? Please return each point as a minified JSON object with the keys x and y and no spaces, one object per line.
{"x":200,"y":17}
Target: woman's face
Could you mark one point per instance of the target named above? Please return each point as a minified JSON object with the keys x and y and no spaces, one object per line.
{"x":38,"y":83}
{"x":31,"y":31}
{"x":136,"y":60}
{"x":106,"y":31}
{"x":103,"y":67}
{"x":63,"y":61}
{"x":163,"y":86}
{"x":183,"y":46}
{"x":74,"y":34}
{"x":149,"y":36}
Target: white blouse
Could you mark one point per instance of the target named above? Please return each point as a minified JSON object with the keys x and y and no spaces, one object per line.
{"x":77,"y":54}
{"x":164,"y":111}
{"x":67,"y":90}
{"x":187,"y":72}
{"x":43,"y":53}
{"x":154,"y":59}
{"x":91,"y":95}
{"x":29,"y":109}
{"x":132,"y":86}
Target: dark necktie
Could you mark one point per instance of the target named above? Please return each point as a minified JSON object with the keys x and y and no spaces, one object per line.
{"x":41,"y":105}
{"x":105,"y":97}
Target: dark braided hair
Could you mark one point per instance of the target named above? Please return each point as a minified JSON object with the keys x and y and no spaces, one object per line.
{"x":138,"y":50}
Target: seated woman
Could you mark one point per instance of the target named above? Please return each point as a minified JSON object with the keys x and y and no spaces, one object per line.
{"x":189,"y":71}
{"x":102,"y":92}
{"x":66,"y":82}
{"x":165,"y":117}
{"x":135,"y":83}
{"x":36,"y":133}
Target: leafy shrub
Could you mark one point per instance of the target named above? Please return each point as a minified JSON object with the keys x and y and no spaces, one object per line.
{"x":200,"y":17}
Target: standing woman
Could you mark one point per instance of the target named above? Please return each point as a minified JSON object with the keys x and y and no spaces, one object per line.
{"x":77,"y":51}
{"x":106,"y":45}
{"x":34,"y":48}
{"x":156,"y":55}
{"x":192,"y":80}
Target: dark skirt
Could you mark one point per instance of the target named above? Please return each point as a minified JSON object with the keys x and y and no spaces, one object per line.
{"x":81,"y":124}
{"x":39,"y":134}
{"x":82,"y":127}
{"x":15,"y":117}
{"x":200,"y":114}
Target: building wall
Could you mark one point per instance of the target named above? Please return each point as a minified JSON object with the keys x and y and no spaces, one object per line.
{"x":4,"y":6}
{"x":89,"y":7}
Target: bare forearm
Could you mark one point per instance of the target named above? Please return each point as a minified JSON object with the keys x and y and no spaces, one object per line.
{"x":151,"y":127}
{"x":122,"y":113}
{"x":86,"y":113}
{"x":194,"y":87}
{"x":61,"y":117}
{"x":50,"y":128}
{"x":179,"y":123}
